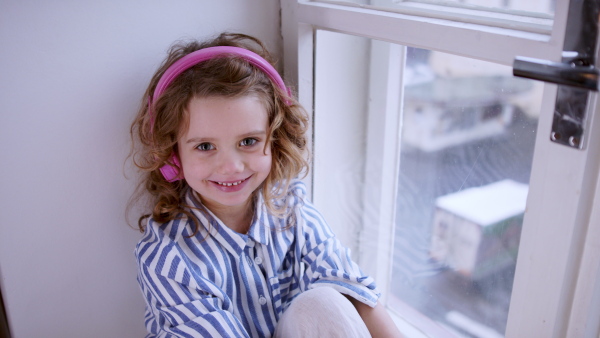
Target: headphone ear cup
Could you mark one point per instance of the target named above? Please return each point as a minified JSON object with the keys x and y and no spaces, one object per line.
{"x":172,"y":173}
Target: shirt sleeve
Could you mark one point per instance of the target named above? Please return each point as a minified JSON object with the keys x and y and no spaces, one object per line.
{"x":176,"y":304}
{"x":328,"y":262}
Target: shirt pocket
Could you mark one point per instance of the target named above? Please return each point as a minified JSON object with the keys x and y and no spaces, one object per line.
{"x":287,"y":280}
{"x":275,"y":289}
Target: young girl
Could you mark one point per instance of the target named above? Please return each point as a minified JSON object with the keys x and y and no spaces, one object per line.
{"x":232,"y":246}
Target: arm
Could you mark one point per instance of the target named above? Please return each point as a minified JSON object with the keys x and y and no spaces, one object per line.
{"x":378,"y":321}
{"x":329,"y":262}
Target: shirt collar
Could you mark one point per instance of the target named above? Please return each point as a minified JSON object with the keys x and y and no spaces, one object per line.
{"x":232,"y":241}
{"x":260,"y":226}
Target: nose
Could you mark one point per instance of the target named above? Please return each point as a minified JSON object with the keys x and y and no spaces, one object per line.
{"x":230,"y":162}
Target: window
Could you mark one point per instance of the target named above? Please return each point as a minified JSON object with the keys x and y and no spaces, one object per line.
{"x":532,"y":8}
{"x":407,"y":133}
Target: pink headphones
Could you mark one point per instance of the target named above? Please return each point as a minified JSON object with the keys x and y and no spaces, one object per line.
{"x":172,"y":173}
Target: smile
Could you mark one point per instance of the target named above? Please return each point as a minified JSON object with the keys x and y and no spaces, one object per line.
{"x":230,"y":184}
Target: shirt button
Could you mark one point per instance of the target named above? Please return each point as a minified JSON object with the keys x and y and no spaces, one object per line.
{"x":262,"y":300}
{"x":249,"y":260}
{"x":257,"y":260}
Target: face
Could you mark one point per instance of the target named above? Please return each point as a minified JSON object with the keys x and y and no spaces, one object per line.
{"x":223,"y":152}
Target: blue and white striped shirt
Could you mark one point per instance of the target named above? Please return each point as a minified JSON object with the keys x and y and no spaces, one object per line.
{"x":220,"y":283}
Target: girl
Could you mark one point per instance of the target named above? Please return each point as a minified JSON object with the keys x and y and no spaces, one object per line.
{"x":232,"y":247}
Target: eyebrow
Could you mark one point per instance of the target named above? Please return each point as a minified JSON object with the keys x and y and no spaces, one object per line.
{"x":207,"y":139}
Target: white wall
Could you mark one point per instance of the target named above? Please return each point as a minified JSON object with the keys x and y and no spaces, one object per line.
{"x":71,"y":76}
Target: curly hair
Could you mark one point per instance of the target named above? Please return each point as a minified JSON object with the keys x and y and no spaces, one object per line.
{"x":159,"y":124}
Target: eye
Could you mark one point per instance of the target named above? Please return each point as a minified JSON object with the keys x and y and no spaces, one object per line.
{"x":205,"y":147}
{"x":247,"y":142}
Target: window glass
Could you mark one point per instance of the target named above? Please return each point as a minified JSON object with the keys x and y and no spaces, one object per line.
{"x":452,"y":138}
{"x":463,"y":148}
{"x":467,"y":145}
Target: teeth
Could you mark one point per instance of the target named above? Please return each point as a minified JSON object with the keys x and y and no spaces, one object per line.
{"x":230,"y":184}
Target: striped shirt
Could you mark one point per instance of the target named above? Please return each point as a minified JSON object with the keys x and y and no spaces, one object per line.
{"x":220,"y":283}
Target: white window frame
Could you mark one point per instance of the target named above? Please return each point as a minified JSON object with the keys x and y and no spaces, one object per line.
{"x":556,"y":292}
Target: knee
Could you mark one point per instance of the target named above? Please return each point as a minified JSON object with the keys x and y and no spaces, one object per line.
{"x":321,"y":311}
{"x":325,"y":292}
{"x":319,"y":301}
{"x":320,"y":297}
{"x":322,"y":294}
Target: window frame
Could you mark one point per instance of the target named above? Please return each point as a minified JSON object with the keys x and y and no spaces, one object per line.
{"x":550,"y":300}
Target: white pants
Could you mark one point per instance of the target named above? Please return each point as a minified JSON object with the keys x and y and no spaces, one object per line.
{"x":321,"y":312}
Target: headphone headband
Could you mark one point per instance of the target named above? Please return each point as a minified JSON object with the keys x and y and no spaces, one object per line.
{"x":205,"y":54}
{"x":172,"y":173}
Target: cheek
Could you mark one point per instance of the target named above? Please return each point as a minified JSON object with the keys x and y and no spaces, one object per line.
{"x":268,"y":163}
{"x":263,"y":163}
{"x":268,"y":158}
{"x":194,"y":166}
